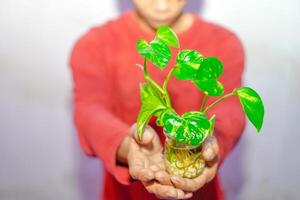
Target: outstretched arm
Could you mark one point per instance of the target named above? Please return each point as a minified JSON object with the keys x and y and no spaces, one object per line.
{"x":99,"y":129}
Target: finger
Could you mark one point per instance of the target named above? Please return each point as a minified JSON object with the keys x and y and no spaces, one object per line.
{"x":180,"y":195}
{"x":147,"y":137}
{"x":212,"y":162}
{"x":141,"y":174}
{"x":187,"y":195}
{"x":161,"y":191}
{"x":165,"y":191}
{"x":210,"y":148}
{"x":210,"y":172}
{"x":190,"y":185}
{"x":163,"y":177}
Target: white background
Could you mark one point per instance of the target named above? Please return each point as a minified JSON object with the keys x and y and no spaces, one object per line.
{"x":39,"y":153}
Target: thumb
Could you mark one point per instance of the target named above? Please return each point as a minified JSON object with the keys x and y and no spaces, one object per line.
{"x":147,"y":136}
{"x":210,"y":148}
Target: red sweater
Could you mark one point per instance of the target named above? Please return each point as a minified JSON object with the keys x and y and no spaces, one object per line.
{"x":107,"y":101}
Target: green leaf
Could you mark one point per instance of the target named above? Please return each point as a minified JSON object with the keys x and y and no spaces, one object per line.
{"x":211,"y":68}
{"x":172,"y":121}
{"x":143,"y":48}
{"x":168,"y":36}
{"x":160,"y":116}
{"x":198,"y":127}
{"x":147,"y":91}
{"x":198,"y":119}
{"x":191,"y":58}
{"x":182,"y":72}
{"x":206,"y":79}
{"x":191,"y":128}
{"x":188,"y":62}
{"x":211,"y":87}
{"x":151,"y":104}
{"x":157,"y":52}
{"x":252,"y":106}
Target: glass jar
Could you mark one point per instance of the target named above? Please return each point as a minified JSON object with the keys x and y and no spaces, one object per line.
{"x":182,"y":159}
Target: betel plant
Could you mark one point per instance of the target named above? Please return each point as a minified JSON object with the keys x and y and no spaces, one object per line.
{"x":186,"y":133}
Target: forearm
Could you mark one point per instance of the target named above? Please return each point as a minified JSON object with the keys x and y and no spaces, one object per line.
{"x":101,"y":133}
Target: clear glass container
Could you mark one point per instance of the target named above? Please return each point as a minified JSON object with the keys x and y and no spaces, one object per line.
{"x":182,"y":159}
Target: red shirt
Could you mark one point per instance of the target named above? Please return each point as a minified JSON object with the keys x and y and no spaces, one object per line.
{"x":107,"y":101}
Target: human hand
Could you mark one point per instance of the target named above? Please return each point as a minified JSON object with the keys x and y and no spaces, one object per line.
{"x":210,"y":155}
{"x":145,"y":162}
{"x":137,"y":153}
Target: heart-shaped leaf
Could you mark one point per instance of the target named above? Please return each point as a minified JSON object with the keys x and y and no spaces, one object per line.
{"x":252,"y":106}
{"x":147,"y":91}
{"x":157,"y":52}
{"x":151,"y":104}
{"x":211,"y":68}
{"x":211,"y":87}
{"x":191,"y":128}
{"x":183,"y":72}
{"x":206,"y":79}
{"x":188,"y":62}
{"x":172,"y":122}
{"x":168,"y":36}
{"x":198,"y":127}
{"x":160,"y":116}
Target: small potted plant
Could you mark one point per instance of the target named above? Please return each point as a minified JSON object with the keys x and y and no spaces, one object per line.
{"x":186,"y":133}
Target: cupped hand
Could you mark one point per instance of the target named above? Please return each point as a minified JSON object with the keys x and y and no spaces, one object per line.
{"x":146,"y":164}
{"x":144,"y":156}
{"x":210,"y":155}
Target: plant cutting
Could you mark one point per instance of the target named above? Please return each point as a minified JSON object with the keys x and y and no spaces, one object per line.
{"x":185,"y":133}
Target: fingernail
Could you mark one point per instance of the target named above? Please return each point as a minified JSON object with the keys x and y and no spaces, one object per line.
{"x":147,"y":136}
{"x":209,"y":152}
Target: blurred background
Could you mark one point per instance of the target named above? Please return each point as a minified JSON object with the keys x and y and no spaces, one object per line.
{"x":40,"y":157}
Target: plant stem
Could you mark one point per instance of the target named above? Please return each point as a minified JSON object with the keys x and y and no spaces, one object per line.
{"x":203,"y":102}
{"x":167,"y":79}
{"x":150,"y":80}
{"x":167,"y":98}
{"x":156,"y":86}
{"x":168,"y":101}
{"x":218,"y":101}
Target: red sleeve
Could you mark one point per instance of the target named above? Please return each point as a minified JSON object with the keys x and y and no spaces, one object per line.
{"x":100,"y":131}
{"x":230,"y":118}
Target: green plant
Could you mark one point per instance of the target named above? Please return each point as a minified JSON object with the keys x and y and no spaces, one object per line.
{"x":192,"y":127}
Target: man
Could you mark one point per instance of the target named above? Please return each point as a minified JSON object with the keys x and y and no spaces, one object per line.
{"x":106,"y":101}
